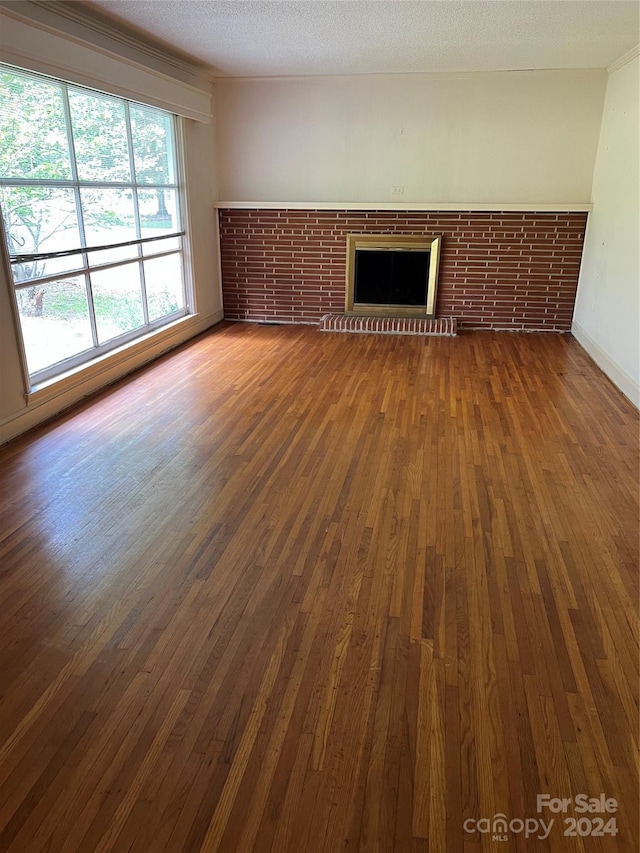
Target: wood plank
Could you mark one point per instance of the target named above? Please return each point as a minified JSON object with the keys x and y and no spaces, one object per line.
{"x":294,"y":592}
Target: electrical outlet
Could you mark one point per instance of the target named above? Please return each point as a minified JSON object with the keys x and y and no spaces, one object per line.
{"x":397,"y":190}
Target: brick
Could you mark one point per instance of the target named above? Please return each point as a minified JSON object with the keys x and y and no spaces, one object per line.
{"x":497,"y":270}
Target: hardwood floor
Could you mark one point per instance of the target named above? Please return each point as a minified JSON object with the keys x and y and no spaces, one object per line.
{"x":299,"y":592}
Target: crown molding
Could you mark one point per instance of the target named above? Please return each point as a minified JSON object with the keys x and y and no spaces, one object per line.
{"x":403,"y":75}
{"x":82,"y":17}
{"x":37,"y":46}
{"x":622,"y":60}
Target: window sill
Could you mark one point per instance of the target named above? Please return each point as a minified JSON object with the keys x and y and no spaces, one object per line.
{"x":152,"y":344}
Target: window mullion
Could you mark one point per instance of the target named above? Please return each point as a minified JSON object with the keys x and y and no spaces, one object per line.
{"x":79,"y":215}
{"x":92,"y":309}
{"x":72,"y":273}
{"x":136,"y":212}
{"x":179,"y":169}
{"x":64,"y":183}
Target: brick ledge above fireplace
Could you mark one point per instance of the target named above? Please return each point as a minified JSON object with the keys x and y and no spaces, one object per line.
{"x":471,"y":207}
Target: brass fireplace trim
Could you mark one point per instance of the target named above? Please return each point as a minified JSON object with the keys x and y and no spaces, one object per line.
{"x":406,"y":242}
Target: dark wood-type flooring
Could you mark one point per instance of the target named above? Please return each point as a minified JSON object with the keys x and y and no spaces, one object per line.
{"x":294,"y":592}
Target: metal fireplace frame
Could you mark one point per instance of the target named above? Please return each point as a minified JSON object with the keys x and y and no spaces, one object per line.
{"x":397,"y":242}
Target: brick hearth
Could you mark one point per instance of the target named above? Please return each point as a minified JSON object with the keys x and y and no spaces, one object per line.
{"x":497,"y":270}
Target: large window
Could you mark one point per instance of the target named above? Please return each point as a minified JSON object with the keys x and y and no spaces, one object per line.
{"x":90,"y":201}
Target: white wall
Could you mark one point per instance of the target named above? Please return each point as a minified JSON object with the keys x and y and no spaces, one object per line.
{"x":20,"y":409}
{"x":607,"y":315}
{"x":499,"y":138}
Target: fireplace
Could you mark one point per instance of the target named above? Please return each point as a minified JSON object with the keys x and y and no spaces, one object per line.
{"x":391,"y":275}
{"x":498,"y":270}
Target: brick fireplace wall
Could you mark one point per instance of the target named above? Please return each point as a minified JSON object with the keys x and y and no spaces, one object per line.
{"x":516,"y":271}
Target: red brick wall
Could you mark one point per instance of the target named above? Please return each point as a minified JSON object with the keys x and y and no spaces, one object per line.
{"x":497,"y":270}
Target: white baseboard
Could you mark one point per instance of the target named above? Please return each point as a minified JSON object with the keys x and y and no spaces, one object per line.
{"x":46,"y":402}
{"x":616,"y":374}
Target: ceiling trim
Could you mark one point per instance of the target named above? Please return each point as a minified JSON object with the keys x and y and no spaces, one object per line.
{"x":622,"y":60}
{"x":437,"y":75}
{"x":32,"y":45}
{"x":458,"y":207}
{"x":125,"y":34}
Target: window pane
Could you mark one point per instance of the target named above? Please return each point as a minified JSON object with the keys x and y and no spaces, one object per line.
{"x":117,"y":298}
{"x":100,"y":137}
{"x":55,"y":321}
{"x":80,"y":170}
{"x":152,"y":134}
{"x":109,"y":218}
{"x":40,"y":219}
{"x":158,"y":215}
{"x":34,"y":139}
{"x":163,"y":282}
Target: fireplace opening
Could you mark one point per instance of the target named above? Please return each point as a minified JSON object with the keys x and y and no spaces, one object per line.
{"x":391,"y":275}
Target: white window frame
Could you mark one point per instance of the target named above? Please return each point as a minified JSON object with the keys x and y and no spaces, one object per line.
{"x":87,"y":358}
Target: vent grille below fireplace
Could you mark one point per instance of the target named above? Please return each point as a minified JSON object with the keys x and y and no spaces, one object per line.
{"x":443,"y":327}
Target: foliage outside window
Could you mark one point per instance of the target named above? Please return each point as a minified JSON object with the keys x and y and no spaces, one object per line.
{"x":91,"y":211}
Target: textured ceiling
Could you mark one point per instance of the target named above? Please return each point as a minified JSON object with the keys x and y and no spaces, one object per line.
{"x":304,"y":37}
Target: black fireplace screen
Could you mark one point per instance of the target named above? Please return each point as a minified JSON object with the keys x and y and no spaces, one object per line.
{"x":391,"y":277}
